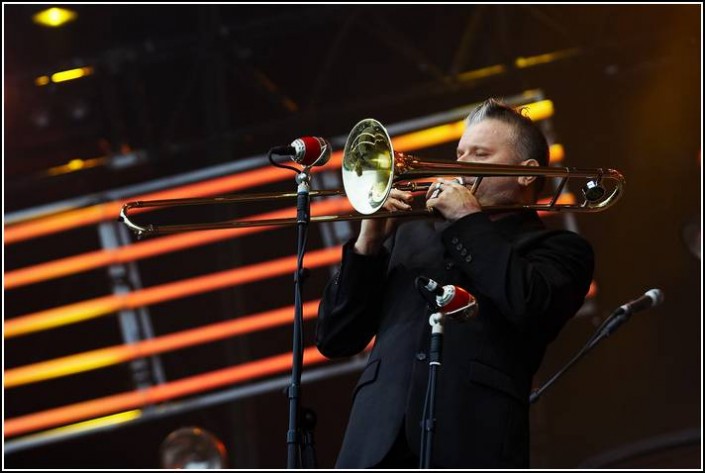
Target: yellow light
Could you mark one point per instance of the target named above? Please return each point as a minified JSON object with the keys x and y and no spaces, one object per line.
{"x":71,"y":74}
{"x":42,"y":80}
{"x":537,"y":110}
{"x":113,"y":419}
{"x":430,"y":136}
{"x":524,"y":62}
{"x":54,"y":17}
{"x":75,"y":164}
{"x":556,"y":153}
{"x":482,"y":73}
{"x":61,"y":367}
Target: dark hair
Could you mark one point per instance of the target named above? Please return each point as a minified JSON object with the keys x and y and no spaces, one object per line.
{"x":530,"y":140}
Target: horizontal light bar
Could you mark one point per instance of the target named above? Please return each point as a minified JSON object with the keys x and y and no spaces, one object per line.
{"x":524,"y":62}
{"x":114,"y":419}
{"x":71,"y":74}
{"x":93,"y":308}
{"x":153,"y":395}
{"x":103,"y":357}
{"x":430,"y":136}
{"x":154,"y":247}
{"x":481,"y":73}
{"x":566,"y":198}
{"x":538,"y":111}
{"x":110,"y":211}
{"x":63,"y":76}
{"x":77,"y":164}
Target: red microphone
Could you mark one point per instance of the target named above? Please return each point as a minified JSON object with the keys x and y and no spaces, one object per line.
{"x":310,"y":151}
{"x":307,"y":151}
{"x":450,"y":300}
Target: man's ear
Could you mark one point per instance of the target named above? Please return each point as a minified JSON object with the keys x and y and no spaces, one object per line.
{"x":527,"y":180}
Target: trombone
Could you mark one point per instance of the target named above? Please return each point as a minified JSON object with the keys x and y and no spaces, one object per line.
{"x":371,"y":168}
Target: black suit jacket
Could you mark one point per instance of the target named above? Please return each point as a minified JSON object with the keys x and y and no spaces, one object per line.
{"x":528,"y":282}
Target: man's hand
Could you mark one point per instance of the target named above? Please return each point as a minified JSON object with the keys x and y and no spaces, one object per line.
{"x":454,"y":201}
{"x":373,"y":232}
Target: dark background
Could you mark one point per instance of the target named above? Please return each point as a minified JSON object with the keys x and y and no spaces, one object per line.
{"x":198,"y":85}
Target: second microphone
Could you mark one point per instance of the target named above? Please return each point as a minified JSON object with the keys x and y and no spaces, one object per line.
{"x":453,"y":301}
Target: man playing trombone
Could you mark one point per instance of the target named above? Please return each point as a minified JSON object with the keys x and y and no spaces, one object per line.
{"x":528,"y":282}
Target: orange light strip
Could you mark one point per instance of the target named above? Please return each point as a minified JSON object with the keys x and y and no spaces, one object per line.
{"x":93,"y":308}
{"x":556,"y":153}
{"x":149,"y":248}
{"x":103,"y":357}
{"x":429,"y":137}
{"x":133,"y":399}
{"x":97,"y":213}
{"x":566,"y":198}
{"x":110,"y":211}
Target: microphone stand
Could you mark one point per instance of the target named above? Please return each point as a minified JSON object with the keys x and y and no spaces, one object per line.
{"x":303,"y":218}
{"x":428,"y":423}
{"x":608,"y":327}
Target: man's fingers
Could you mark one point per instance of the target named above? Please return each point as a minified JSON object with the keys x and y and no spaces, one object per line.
{"x":393,"y":204}
{"x":401,"y":195}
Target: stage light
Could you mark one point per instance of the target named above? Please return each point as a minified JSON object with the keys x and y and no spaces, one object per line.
{"x":76,"y":164}
{"x":54,"y":17}
{"x":482,"y":73}
{"x":524,"y":62}
{"x":71,"y":74}
{"x":536,"y":111}
{"x":41,"y":80}
{"x":556,"y":153}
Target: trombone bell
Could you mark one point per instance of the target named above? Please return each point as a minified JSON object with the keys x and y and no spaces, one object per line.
{"x":368,"y":166}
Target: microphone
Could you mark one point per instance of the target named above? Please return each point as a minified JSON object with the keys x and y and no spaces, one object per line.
{"x":651,"y":298}
{"x":450,"y":300}
{"x":307,"y":151}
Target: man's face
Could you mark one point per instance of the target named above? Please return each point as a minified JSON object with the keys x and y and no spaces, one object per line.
{"x":491,"y":142}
